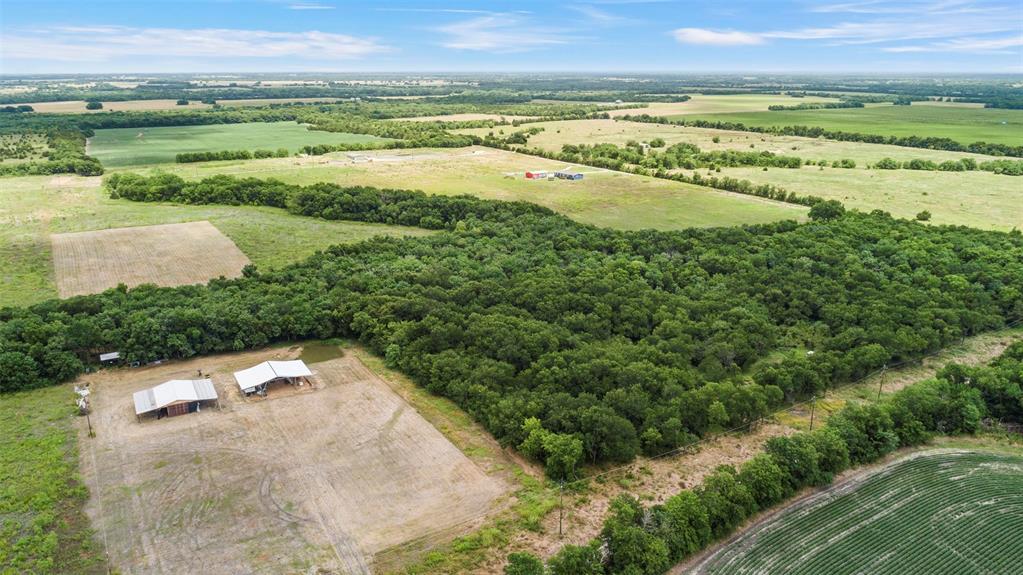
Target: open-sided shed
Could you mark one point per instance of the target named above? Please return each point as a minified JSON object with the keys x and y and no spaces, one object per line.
{"x":177,"y":396}
{"x":256,"y":378}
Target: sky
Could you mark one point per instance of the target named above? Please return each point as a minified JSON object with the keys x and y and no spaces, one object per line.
{"x":589,"y":36}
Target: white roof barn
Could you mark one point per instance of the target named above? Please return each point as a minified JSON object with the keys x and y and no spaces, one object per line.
{"x":174,"y":392}
{"x":268,"y":371}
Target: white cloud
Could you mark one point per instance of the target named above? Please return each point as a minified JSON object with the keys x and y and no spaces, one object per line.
{"x":500,"y":33}
{"x":966,"y":45}
{"x":309,"y":6}
{"x":715,"y":38}
{"x":101,"y":43}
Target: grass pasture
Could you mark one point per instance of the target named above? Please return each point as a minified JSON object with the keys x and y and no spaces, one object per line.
{"x":310,"y":479}
{"x":43,"y":528}
{"x":78,"y":106}
{"x":602,"y":198}
{"x":16,"y":148}
{"x":720,"y":104}
{"x":165,"y":255}
{"x":557,"y":134}
{"x":963,"y":124}
{"x":978,"y":199}
{"x":935,"y":512}
{"x":32,"y":208}
{"x":139,"y":146}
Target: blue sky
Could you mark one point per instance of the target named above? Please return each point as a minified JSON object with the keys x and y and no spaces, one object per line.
{"x":840,"y":36}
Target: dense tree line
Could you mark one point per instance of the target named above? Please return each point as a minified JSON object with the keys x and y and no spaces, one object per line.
{"x":818,"y":106}
{"x":614,"y":342}
{"x":648,"y":540}
{"x":188,"y":157}
{"x":16,"y":109}
{"x":932,"y":143}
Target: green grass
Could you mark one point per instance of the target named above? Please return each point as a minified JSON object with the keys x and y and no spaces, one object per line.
{"x":602,"y":198}
{"x":935,"y":513}
{"x":556,"y":134}
{"x":32,"y":208}
{"x":978,"y":199}
{"x":124,"y":147}
{"x":43,"y":528}
{"x":965,"y":125}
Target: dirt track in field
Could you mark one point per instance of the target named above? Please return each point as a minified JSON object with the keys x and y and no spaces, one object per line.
{"x":165,"y":255}
{"x":310,"y":479}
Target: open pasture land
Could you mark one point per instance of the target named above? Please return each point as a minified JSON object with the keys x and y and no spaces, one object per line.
{"x":557,"y":134}
{"x":602,"y":197}
{"x":32,"y":208}
{"x":965,"y":125}
{"x":165,"y":255}
{"x":977,"y":199}
{"x":934,"y":512}
{"x":715,"y":104}
{"x":312,"y":479}
{"x":78,"y":106}
{"x":139,"y":146}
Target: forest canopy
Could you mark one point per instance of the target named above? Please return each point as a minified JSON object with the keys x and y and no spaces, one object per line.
{"x":567,"y":340}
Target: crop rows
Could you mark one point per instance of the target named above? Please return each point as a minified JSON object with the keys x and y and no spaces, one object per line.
{"x":944,"y":513}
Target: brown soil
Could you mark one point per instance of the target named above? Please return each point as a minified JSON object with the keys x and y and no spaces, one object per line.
{"x":166,"y":255}
{"x":311,"y":479}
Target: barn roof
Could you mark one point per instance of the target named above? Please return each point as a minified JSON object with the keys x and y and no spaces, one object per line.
{"x":173,"y":391}
{"x":268,"y":371}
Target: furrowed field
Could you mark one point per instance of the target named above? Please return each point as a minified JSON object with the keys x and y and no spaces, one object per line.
{"x":138,"y":146}
{"x":945,"y":512}
{"x":963,"y":124}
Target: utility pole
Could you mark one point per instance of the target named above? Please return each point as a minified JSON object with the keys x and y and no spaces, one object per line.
{"x":880,"y":387}
{"x":561,"y":506}
{"x":813,"y":405}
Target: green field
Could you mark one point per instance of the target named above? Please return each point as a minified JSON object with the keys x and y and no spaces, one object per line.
{"x":43,"y":528}
{"x":124,"y":146}
{"x":940,"y":512}
{"x":721,"y":104}
{"x":603,"y":198}
{"x":32,"y":208}
{"x":978,"y":199}
{"x":965,"y":125}
{"x":557,"y":134}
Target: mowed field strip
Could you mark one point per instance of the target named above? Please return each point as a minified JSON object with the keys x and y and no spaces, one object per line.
{"x":963,"y":124}
{"x":556,"y":134}
{"x":312,"y":479}
{"x":138,"y":146}
{"x":720,"y":104}
{"x":931,"y":512}
{"x":165,"y":255}
{"x":603,"y":197}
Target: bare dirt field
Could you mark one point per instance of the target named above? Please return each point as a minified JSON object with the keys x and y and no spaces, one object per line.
{"x":166,"y":255}
{"x":311,"y":480}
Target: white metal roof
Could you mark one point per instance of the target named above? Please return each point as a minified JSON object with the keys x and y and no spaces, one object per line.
{"x":173,"y":391}
{"x":268,"y":371}
{"x":110,"y":356}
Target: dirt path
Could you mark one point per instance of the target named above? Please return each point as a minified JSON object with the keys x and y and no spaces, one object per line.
{"x":653,"y":480}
